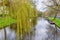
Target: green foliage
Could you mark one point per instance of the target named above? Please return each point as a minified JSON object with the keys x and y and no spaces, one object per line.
{"x":5,"y":21}
{"x":56,"y":21}
{"x":22,"y":13}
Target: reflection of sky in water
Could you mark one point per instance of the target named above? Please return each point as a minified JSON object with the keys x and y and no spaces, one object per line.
{"x":10,"y":34}
{"x":41,"y":30}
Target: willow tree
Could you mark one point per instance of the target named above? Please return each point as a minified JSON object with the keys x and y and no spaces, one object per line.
{"x":22,"y":11}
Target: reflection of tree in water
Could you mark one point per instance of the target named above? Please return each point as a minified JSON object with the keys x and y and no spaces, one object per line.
{"x":34,"y":20}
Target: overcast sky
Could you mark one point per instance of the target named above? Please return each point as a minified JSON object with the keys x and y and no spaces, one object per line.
{"x":40,"y":5}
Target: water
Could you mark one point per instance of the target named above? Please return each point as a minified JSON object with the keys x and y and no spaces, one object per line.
{"x":46,"y":31}
{"x":10,"y":34}
{"x":40,"y":33}
{"x":43,"y":31}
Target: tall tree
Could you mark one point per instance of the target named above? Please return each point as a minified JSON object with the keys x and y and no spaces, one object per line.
{"x":23,"y":11}
{"x":53,"y":6}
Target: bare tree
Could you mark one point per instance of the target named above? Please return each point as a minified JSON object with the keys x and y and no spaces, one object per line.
{"x":53,"y":4}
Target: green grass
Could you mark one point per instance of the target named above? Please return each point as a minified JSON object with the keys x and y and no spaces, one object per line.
{"x":5,"y":21}
{"x":56,"y":21}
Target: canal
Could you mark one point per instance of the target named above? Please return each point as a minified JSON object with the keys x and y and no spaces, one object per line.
{"x":42,"y":31}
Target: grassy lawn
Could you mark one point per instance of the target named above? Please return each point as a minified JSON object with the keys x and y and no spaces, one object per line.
{"x":56,"y":21}
{"x":5,"y":21}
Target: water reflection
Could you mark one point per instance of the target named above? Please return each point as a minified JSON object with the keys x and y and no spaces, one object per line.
{"x":42,"y":31}
{"x":46,"y":31}
{"x":10,"y":34}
